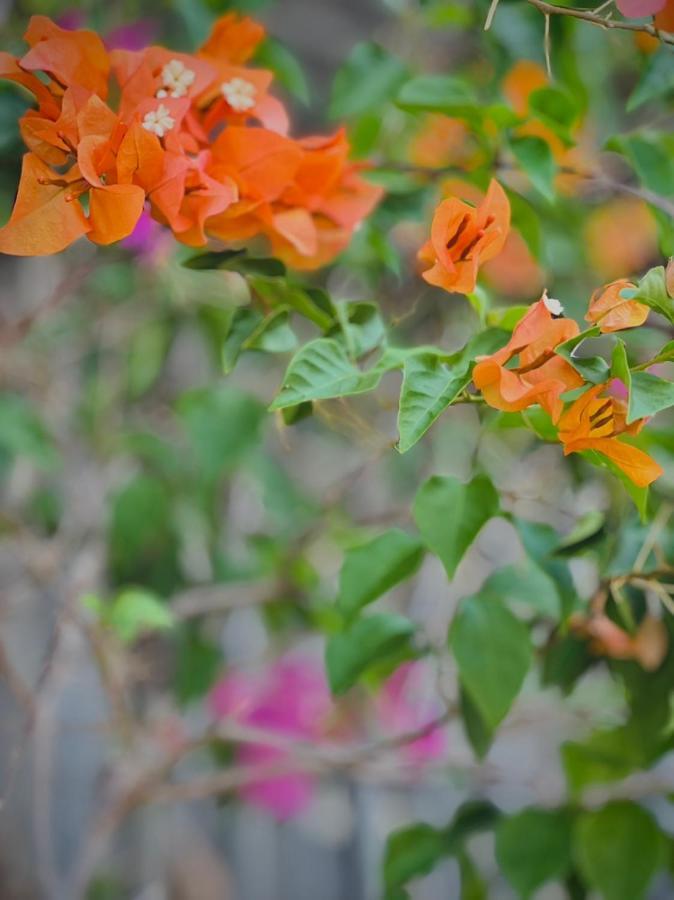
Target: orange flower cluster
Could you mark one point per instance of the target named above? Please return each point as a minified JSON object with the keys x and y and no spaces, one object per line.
{"x":198,"y":138}
{"x":528,"y":371}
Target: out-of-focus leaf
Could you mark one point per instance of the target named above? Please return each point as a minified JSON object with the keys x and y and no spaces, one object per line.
{"x":438,"y":93}
{"x":534,"y":847}
{"x":367,"y":80}
{"x":416,"y":849}
{"x":367,"y":641}
{"x":23,"y":434}
{"x":657,"y":80}
{"x":493,"y":652}
{"x":142,"y":540}
{"x":450,"y":514}
{"x":536,"y":159}
{"x":618,"y":849}
{"x":222,"y":424}
{"x":373,"y":568}
{"x":275,"y":56}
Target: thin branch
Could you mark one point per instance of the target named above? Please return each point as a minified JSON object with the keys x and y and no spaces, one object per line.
{"x":586,"y":15}
{"x":491,"y":14}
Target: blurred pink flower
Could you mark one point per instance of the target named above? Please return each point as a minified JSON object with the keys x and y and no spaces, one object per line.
{"x":635,"y":9}
{"x":149,"y":240}
{"x":134,"y":36}
{"x":291,"y":698}
{"x":405,"y":703}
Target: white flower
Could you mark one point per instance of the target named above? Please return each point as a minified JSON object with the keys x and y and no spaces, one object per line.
{"x":239,"y":93}
{"x":158,"y":121}
{"x":176,"y":79}
{"x":553,"y":306}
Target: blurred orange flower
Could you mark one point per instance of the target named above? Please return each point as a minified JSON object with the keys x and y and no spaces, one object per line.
{"x":540,"y":376}
{"x":621,"y":236}
{"x":463,"y":237}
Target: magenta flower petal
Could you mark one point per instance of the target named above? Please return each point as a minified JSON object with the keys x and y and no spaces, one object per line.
{"x":635,"y":9}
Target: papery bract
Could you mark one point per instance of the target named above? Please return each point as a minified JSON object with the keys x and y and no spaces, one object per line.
{"x":596,"y":421}
{"x":463,"y":237}
{"x":540,"y":376}
{"x":612,"y":312}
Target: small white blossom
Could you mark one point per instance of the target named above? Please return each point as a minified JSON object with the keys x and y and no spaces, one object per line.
{"x":158,"y":121}
{"x":176,"y":79}
{"x":239,"y":93}
{"x":553,"y":306}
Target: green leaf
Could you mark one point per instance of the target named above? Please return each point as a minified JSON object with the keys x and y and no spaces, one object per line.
{"x":473,"y":885}
{"x":222,"y":424}
{"x":432,"y":381}
{"x":236,"y":261}
{"x":450,"y":514}
{"x":412,"y":852}
{"x":592,"y":368}
{"x":536,"y":159}
{"x":540,"y":542}
{"x":493,"y":652}
{"x":648,"y":395}
{"x":373,"y":568}
{"x":312,"y":303}
{"x":23,"y":434}
{"x":429,"y":386}
{"x":652,"y":290}
{"x":555,"y":107}
{"x":416,"y":849}
{"x":142,"y":540}
{"x":368,"y":640}
{"x":322,"y":370}
{"x":657,"y":80}
{"x":135,"y":612}
{"x":533,"y":847}
{"x":273,"y":334}
{"x":438,"y":93}
{"x":620,"y":367}
{"x":147,"y":352}
{"x":285,"y":65}
{"x":361,"y":326}
{"x":368,"y":78}
{"x":525,"y":584}
{"x":618,"y":850}
{"x":479,"y":733}
{"x":198,"y":662}
{"x":587,"y":530}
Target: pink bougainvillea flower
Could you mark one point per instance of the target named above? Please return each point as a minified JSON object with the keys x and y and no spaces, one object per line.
{"x":291,"y":698}
{"x":636,"y":9}
{"x":405,"y":704}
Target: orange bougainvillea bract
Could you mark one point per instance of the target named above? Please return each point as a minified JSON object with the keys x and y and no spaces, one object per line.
{"x":540,"y":376}
{"x":463,"y":237}
{"x":597,"y":421}
{"x":612,"y":312}
{"x":198,"y":139}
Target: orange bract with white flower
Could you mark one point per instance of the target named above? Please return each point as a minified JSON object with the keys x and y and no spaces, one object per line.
{"x":197,"y":137}
{"x":540,"y":375}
